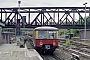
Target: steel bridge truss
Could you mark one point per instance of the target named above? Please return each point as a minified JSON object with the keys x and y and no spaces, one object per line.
{"x":60,"y":17}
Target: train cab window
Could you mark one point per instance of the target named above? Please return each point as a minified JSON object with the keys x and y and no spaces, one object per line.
{"x":42,"y":34}
{"x":51,"y":34}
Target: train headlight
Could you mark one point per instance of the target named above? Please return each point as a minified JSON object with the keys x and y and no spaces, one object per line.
{"x":41,"y":42}
{"x":54,"y":42}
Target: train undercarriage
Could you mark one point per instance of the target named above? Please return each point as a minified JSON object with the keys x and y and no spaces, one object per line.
{"x":46,"y":48}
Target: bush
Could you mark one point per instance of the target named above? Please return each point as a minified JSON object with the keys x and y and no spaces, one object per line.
{"x":67,"y":42}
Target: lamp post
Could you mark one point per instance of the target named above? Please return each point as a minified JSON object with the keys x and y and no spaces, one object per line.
{"x":19,"y":2}
{"x":18,"y":26}
{"x":85,"y":22}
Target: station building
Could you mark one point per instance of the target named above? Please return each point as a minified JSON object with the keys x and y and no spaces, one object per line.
{"x":1,"y":37}
{"x":87,"y":34}
{"x":4,"y":35}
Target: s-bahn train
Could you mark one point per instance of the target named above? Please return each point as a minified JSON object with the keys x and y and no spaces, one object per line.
{"x":46,"y":38}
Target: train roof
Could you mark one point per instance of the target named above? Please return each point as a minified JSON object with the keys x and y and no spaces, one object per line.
{"x":46,"y":28}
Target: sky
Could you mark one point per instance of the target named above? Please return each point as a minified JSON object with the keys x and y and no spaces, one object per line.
{"x":59,"y":3}
{"x":44,"y":3}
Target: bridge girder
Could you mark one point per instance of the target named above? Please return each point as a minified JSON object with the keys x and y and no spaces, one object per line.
{"x":61,"y":17}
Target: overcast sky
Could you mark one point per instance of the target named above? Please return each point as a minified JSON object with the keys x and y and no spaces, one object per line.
{"x":44,"y":3}
{"x":60,"y":3}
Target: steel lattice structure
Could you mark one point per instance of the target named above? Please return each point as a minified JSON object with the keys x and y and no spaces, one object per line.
{"x":60,"y":17}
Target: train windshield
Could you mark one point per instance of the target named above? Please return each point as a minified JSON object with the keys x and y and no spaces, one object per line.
{"x":51,"y":34}
{"x":42,"y":34}
{"x":46,"y":34}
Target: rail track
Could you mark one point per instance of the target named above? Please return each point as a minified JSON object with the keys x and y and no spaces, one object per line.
{"x":47,"y":55}
{"x":79,"y":48}
{"x":50,"y":57}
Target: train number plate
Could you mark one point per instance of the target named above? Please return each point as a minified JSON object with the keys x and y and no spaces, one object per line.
{"x":47,"y":46}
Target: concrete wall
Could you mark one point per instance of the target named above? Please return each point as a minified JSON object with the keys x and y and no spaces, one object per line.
{"x":87,"y":34}
{"x":1,"y":38}
{"x":5,"y":37}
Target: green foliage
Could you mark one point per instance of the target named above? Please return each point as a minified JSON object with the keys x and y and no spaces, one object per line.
{"x":83,"y":20}
{"x":88,"y":20}
{"x":63,"y":32}
{"x":67,"y":42}
{"x":4,"y":29}
{"x":75,"y":32}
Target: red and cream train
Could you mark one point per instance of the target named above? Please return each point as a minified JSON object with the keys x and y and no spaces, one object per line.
{"x":45,"y":38}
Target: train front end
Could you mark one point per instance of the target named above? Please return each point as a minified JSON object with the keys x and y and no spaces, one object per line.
{"x":46,"y":39}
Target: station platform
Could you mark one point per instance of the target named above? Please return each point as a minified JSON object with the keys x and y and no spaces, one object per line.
{"x":13,"y":52}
